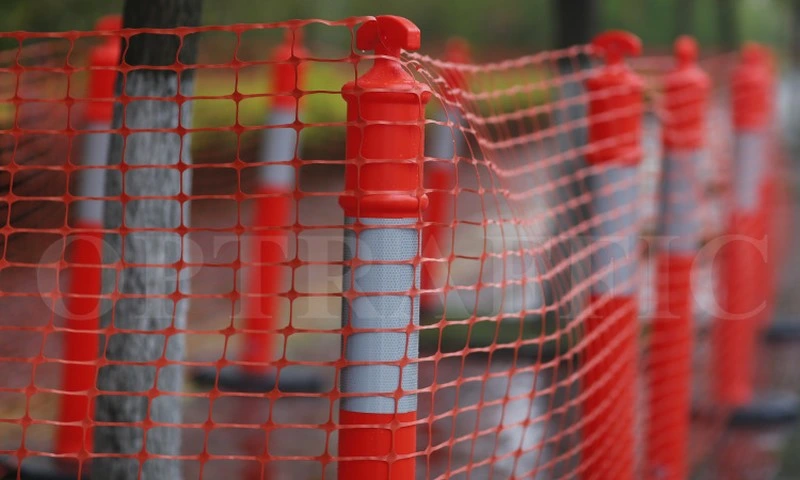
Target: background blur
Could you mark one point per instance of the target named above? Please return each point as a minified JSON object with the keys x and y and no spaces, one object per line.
{"x":512,"y":26}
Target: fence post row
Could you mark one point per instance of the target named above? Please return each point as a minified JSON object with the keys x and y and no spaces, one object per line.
{"x":686,"y":91}
{"x":383,"y":203}
{"x":440,"y":180}
{"x":615,"y":117}
{"x":81,"y":339}
{"x":738,"y":324}
{"x":781,"y":327}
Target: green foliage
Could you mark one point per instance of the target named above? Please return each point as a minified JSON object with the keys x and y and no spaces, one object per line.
{"x":496,"y":29}
{"x":499,"y":26}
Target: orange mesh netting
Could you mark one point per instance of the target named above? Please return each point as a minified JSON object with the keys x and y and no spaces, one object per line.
{"x":532,"y":362}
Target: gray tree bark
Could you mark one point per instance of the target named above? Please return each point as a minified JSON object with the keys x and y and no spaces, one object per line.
{"x":684,"y":17}
{"x":143,"y":318}
{"x":728,"y":24}
{"x":576,"y":24}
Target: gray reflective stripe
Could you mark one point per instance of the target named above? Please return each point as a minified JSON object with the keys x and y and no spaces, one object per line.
{"x":679,"y":222}
{"x":750,"y":168}
{"x":392,"y":313}
{"x":94,"y":153}
{"x":614,"y":194}
{"x":278,"y":145}
{"x":447,"y":138}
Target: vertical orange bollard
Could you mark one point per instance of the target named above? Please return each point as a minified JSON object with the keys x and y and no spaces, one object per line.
{"x":271,"y":222}
{"x":273,"y":209}
{"x":745,"y":256}
{"x":81,"y":340}
{"x":615,"y":116}
{"x":383,"y":204}
{"x":669,"y":373}
{"x":734,"y":332}
{"x":440,"y":179}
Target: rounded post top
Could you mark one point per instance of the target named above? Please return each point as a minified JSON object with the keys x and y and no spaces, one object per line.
{"x":752,"y":54}
{"x":109,"y":23}
{"x":293,"y":37}
{"x":685,"y":51}
{"x":388,"y":35}
{"x":615,"y":45}
{"x":457,"y":50}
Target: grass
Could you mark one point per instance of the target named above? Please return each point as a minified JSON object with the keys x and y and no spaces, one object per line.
{"x":230,"y":103}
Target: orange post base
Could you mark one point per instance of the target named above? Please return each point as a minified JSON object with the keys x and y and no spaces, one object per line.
{"x":669,"y":370}
{"x":390,"y":439}
{"x":734,"y":335}
{"x":81,"y":342}
{"x":261,"y":305}
{"x":609,"y":390}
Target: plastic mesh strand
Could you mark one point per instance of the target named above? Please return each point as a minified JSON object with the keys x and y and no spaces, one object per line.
{"x":503,"y":342}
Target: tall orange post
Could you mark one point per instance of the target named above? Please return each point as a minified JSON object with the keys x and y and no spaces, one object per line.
{"x":440,"y":179}
{"x":81,"y":340}
{"x":383,"y":204}
{"x":272,"y":221}
{"x":609,"y":381}
{"x":272,"y":216}
{"x":669,"y":374}
{"x":743,"y":255}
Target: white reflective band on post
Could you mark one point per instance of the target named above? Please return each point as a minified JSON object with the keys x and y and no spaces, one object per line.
{"x":614,"y":193}
{"x":94,"y":153}
{"x":278,"y":145}
{"x":445,"y":143}
{"x":679,"y":222}
{"x":383,"y":350}
{"x":750,"y":168}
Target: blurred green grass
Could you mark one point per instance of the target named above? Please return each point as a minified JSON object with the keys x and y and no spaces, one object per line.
{"x":230,"y":105}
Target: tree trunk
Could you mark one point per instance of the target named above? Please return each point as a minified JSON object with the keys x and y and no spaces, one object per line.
{"x":794,"y":45}
{"x":575,"y":20}
{"x":142,"y":305}
{"x":684,"y":17}
{"x":576,"y":25}
{"x":728,"y":26}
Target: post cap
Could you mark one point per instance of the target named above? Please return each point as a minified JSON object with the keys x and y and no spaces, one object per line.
{"x":288,"y":73}
{"x":752,"y":54}
{"x":109,"y":23}
{"x":388,"y":35}
{"x":615,"y":45}
{"x":686,"y":92}
{"x":457,"y":51}
{"x":685,"y":50}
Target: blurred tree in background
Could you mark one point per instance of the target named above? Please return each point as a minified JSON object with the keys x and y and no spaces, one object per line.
{"x":498,"y":26}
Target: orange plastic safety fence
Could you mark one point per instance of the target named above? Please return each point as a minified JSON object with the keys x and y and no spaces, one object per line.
{"x":256,"y":315}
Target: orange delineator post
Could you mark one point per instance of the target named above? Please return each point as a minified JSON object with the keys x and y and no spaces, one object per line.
{"x":440,"y":179}
{"x":735,"y":329}
{"x":273,"y":209}
{"x":686,"y":91}
{"x":383,"y":204}
{"x":767,"y":198}
{"x":81,"y":339}
{"x":609,"y":383}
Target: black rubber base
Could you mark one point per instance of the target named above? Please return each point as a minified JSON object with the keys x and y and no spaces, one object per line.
{"x":38,"y":468}
{"x":783,"y":330}
{"x":233,"y":379}
{"x":767,"y":411}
